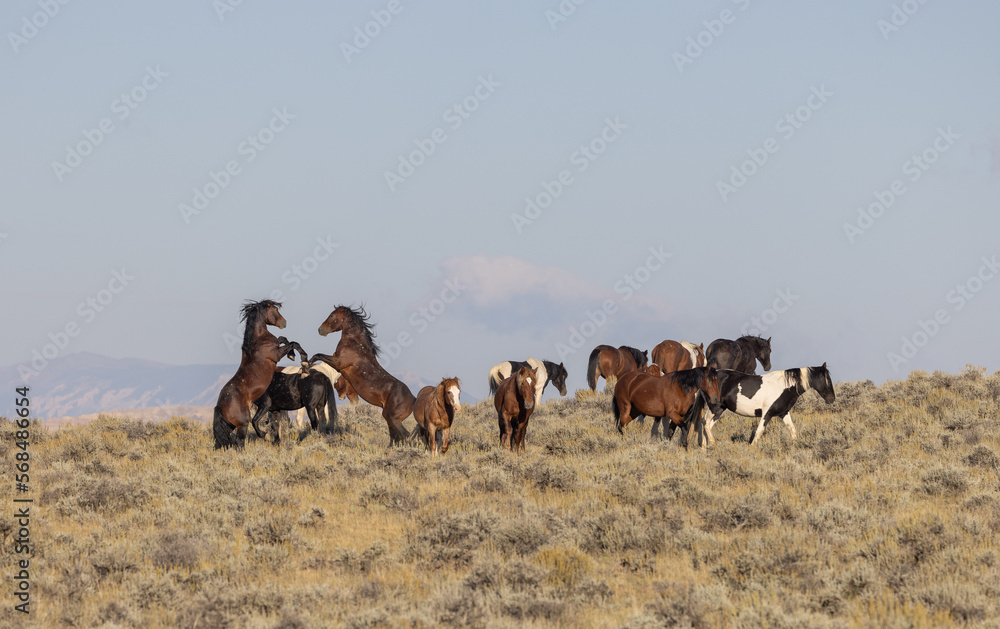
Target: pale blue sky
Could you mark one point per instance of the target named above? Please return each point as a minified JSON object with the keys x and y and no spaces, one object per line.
{"x":323,"y":176}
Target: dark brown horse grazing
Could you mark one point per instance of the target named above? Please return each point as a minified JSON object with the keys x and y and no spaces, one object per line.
{"x":515,"y":401}
{"x":356,"y":359}
{"x":261,"y":353}
{"x":739,"y":355}
{"x":435,"y":410}
{"x":674,"y":356}
{"x":672,"y":396}
{"x":606,"y":362}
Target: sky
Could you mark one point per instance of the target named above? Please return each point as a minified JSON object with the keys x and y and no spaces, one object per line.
{"x":501,"y":180}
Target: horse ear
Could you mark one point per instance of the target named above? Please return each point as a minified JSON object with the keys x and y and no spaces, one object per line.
{"x":769,"y":340}
{"x":824,"y":365}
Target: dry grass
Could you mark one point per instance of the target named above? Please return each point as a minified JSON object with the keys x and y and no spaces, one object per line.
{"x":882,"y":514}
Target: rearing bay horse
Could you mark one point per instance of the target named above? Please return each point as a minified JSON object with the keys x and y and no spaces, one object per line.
{"x":740,"y":355}
{"x":607,"y":362}
{"x":356,"y":358}
{"x":261,"y":353}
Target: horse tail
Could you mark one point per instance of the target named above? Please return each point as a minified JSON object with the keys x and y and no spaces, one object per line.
{"x":617,"y":413}
{"x":225,"y":434}
{"x":495,"y":378}
{"x":331,"y":402}
{"x":592,"y":366}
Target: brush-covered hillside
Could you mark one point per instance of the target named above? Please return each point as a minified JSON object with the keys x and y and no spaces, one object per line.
{"x":885,"y":512}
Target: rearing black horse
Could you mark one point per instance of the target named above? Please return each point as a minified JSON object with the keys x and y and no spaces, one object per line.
{"x":739,"y":355}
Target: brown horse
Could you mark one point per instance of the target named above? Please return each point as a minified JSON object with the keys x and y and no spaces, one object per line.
{"x":674,"y":356}
{"x":261,"y":353}
{"x":515,"y":401}
{"x":435,"y":410}
{"x":356,"y":358}
{"x":606,"y":362}
{"x":345,"y":390}
{"x":673,"y":396}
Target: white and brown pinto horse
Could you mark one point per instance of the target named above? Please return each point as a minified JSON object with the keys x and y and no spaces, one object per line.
{"x":674,"y":356}
{"x":767,"y":396}
{"x":435,"y":410}
{"x":546,"y":371}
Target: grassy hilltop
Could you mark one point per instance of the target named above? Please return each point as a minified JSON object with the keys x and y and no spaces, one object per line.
{"x":883,"y":513}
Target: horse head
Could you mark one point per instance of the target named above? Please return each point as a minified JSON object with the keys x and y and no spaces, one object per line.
{"x":334,"y":322}
{"x":764,"y":353}
{"x":710,"y":385}
{"x":453,"y":389}
{"x":557,"y":374}
{"x":820,"y":380}
{"x":525,"y":384}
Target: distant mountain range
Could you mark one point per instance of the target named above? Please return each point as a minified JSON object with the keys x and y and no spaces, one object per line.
{"x":87,"y":383}
{"x":77,"y":387}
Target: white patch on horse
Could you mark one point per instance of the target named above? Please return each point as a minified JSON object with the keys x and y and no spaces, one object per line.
{"x":543,"y":377}
{"x":692,"y":350}
{"x":454,"y":393}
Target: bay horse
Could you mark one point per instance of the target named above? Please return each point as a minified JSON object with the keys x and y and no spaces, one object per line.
{"x":767,"y":396}
{"x":260,"y":355}
{"x":435,"y":410}
{"x":546,"y":371}
{"x":515,"y":401}
{"x":356,"y":358}
{"x":672,"y":396}
{"x":674,"y":356}
{"x":606,"y":362}
{"x":344,"y":388}
{"x":739,"y":355}
{"x":297,"y":388}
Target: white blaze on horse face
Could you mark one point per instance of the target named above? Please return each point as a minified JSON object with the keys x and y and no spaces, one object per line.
{"x":454,"y":393}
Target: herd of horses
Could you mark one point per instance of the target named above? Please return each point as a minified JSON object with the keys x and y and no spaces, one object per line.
{"x":686,"y":386}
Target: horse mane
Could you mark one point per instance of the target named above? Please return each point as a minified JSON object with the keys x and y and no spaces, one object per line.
{"x":754,"y":341}
{"x":360,"y":318}
{"x":793,"y":378}
{"x":689,"y":378}
{"x":251,"y":312}
{"x":640,"y":357}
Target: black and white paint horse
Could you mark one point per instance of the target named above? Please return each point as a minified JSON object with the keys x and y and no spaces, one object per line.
{"x":545,"y":370}
{"x":316,"y":367}
{"x":739,"y":355}
{"x":767,"y":396}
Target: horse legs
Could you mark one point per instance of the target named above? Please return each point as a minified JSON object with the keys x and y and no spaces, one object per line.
{"x":506,"y":432}
{"x":265,"y":406}
{"x":657,"y":432}
{"x":788,"y":422}
{"x":447,"y":437}
{"x":397,"y":434}
{"x":313,"y":419}
{"x":431,"y":438}
{"x":522,"y":428}
{"x":760,"y":429}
